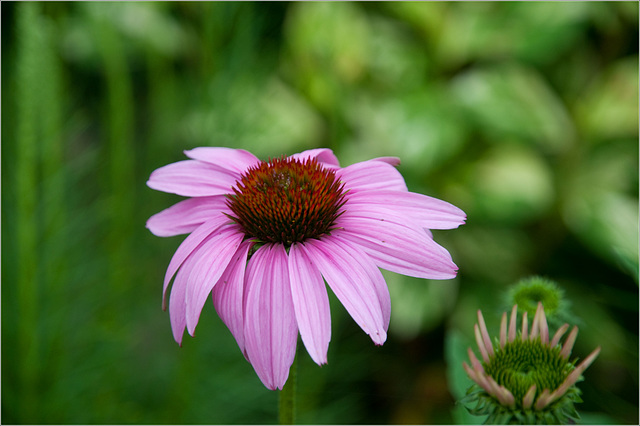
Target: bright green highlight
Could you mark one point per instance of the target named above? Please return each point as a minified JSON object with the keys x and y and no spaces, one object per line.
{"x":529,"y":291}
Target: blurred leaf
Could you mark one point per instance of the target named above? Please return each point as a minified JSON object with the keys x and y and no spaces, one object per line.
{"x":459,"y":382}
{"x":328,"y":44}
{"x":598,"y":205}
{"x":509,"y":184}
{"x":422,"y":128}
{"x":256,"y":115}
{"x":609,"y":108}
{"x":538,"y":32}
{"x":417,"y":304}
{"x":514,"y":102}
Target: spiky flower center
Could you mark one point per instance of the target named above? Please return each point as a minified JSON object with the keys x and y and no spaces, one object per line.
{"x":286,"y":200}
{"x":522,"y":363}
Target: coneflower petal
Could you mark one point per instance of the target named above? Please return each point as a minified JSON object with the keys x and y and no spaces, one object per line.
{"x":270,"y":325}
{"x":485,"y":334}
{"x":228,"y":294}
{"x":349,"y":280}
{"x":512,"y":323}
{"x":480,"y":343}
{"x":568,"y":344}
{"x":503,"y":330}
{"x":527,"y":400}
{"x":228,"y":159}
{"x":556,"y":337}
{"x":191,"y":178}
{"x":310,"y":303}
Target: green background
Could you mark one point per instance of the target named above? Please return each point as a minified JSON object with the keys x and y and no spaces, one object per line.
{"x":525,"y":115}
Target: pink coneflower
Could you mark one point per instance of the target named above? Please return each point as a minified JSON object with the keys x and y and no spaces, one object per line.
{"x":264,"y":234}
{"x":526,"y":377}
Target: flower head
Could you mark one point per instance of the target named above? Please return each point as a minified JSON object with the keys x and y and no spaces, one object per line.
{"x":526,"y":377}
{"x":264,"y":236}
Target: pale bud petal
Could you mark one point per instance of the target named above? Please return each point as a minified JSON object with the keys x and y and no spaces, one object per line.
{"x":512,"y":323}
{"x":568,"y":344}
{"x":525,"y":326}
{"x":527,"y":399}
{"x":558,"y":335}
{"x":503,"y":330}
{"x":474,"y":361}
{"x":485,"y":333}
{"x":543,"y":400}
{"x":479,"y":341}
{"x":543,"y":326}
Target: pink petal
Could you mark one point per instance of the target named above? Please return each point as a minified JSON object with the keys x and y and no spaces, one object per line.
{"x":527,"y":399}
{"x":380,"y":285}
{"x":270,"y":329}
{"x":348,"y":275}
{"x":396,"y":245}
{"x":512,"y":323}
{"x":184,"y":217}
{"x":371,"y":175}
{"x":394,"y":161}
{"x":480,"y":343}
{"x":485,"y":334}
{"x":233,"y":160}
{"x":191,"y":243}
{"x":323,"y":155}
{"x":558,"y":335}
{"x":212,"y":258}
{"x":228,"y":294}
{"x":568,"y":344}
{"x":503,"y":330}
{"x":429,"y":212}
{"x":310,"y":303}
{"x":192,"y":178}
{"x":177,"y":305}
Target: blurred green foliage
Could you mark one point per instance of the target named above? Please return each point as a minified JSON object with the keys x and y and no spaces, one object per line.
{"x":525,"y":115}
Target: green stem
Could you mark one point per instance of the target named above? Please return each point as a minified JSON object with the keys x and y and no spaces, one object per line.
{"x":287,"y":404}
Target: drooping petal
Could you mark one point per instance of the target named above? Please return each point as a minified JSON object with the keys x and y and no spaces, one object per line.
{"x":215,"y":254}
{"x":347,"y":275}
{"x":191,"y":243}
{"x":270,"y":328}
{"x":323,"y":155}
{"x":177,"y":304}
{"x":232,"y":160}
{"x":397,"y":247}
{"x":228,"y":294}
{"x":380,"y":285}
{"x":191,"y":178}
{"x":186,"y":216}
{"x":428,"y":212}
{"x":371,"y":175}
{"x":311,"y":303}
